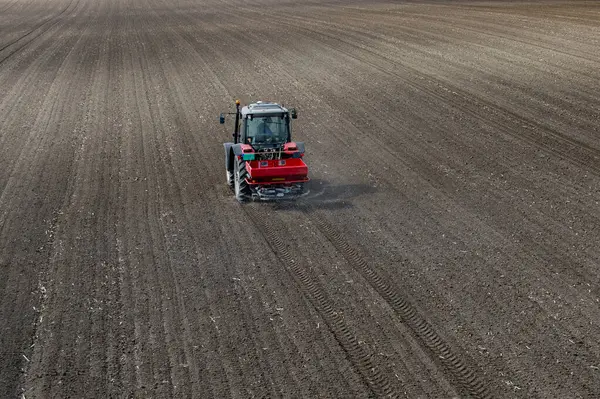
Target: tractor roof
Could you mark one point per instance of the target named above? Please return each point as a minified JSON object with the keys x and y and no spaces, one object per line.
{"x":261,"y":107}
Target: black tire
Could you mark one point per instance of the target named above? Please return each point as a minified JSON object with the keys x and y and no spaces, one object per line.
{"x":230,"y":178}
{"x":241,"y":187}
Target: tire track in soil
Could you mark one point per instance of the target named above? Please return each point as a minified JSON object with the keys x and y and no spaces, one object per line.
{"x":360,"y":358}
{"x":51,"y":22}
{"x":26,"y":14}
{"x":464,"y":376}
{"x":584,"y":279}
{"x":22,"y":68}
{"x":538,"y":277}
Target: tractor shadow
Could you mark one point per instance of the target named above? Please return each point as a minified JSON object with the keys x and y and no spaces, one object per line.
{"x":323,"y":195}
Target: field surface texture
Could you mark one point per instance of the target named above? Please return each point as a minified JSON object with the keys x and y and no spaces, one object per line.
{"x":449,"y":245}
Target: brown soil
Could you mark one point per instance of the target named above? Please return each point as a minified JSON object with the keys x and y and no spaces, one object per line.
{"x":449,"y":245}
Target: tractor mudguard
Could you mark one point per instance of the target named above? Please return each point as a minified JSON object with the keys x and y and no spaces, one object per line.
{"x":237,"y":150}
{"x":295,"y":149}
{"x":227,"y":147}
{"x":300,"y":146}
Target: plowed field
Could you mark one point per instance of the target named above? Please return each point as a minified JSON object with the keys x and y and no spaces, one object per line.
{"x":449,"y":245}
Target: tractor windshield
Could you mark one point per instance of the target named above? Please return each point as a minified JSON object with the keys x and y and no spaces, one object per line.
{"x":271,"y":129}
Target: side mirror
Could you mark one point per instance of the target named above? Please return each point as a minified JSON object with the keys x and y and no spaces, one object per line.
{"x":221,"y":119}
{"x":294,"y":113}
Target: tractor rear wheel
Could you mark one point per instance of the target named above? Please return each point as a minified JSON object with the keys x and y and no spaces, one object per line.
{"x":241,"y":187}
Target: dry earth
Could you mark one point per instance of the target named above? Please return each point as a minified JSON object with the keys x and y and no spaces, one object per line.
{"x":449,"y":245}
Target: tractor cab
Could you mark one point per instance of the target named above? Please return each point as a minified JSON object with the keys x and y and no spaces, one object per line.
{"x":265,"y":130}
{"x":264,"y":125}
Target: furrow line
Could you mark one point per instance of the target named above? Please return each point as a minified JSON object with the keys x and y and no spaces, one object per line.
{"x":463,"y":375}
{"x":359,"y":357}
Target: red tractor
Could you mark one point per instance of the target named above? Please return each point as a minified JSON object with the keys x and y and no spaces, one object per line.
{"x":263,"y":162}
